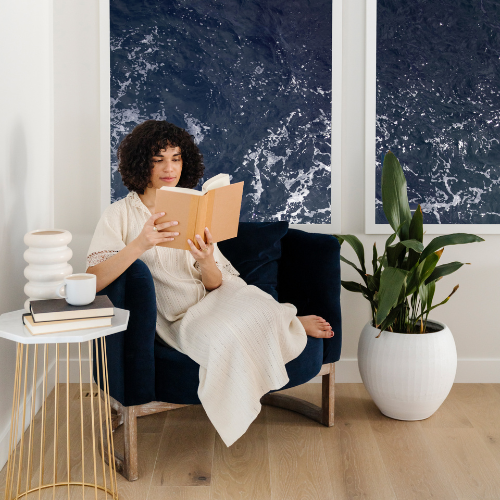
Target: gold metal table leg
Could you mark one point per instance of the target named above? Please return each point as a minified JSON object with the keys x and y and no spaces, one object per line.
{"x":22,"y":466}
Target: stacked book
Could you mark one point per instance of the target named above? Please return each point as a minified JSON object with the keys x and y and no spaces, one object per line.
{"x":56,"y":315}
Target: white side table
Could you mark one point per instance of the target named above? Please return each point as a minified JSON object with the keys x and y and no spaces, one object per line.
{"x":20,"y":467}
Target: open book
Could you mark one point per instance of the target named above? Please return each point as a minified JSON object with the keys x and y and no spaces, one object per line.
{"x":217,"y":206}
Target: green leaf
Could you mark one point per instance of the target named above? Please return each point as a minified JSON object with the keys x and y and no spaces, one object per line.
{"x":421,"y":272}
{"x":414,"y":245}
{"x":356,"y":245}
{"x":393,"y":253}
{"x":426,"y":293}
{"x":437,"y":305}
{"x":352,"y":286}
{"x":448,"y":239}
{"x":429,"y":265}
{"x":394,"y":196}
{"x":413,"y":258}
{"x":373,"y":283}
{"x":417,"y":225}
{"x":391,"y":317}
{"x":361,"y":273}
{"x":431,"y":288}
{"x":390,"y":240}
{"x":444,"y":270}
{"x":391,"y":281}
{"x":374,"y":259}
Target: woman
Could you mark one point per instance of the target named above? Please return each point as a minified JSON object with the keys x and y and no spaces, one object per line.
{"x":239,"y":335}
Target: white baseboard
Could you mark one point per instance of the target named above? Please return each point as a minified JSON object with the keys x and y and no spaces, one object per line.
{"x":469,"y":371}
{"x":5,"y":435}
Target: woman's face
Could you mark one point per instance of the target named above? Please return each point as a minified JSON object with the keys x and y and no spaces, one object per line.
{"x":167,"y":168}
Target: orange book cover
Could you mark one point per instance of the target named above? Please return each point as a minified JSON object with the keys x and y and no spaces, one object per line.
{"x":217,"y":207}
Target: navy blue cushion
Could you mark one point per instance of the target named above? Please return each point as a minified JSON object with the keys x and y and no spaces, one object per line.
{"x":255,"y":253}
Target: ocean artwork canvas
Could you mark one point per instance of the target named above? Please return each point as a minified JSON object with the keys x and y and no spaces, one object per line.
{"x":438,"y":107}
{"x":250,"y":80}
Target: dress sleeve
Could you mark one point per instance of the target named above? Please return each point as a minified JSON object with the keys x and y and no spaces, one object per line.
{"x":225,"y":267}
{"x":109,"y":235}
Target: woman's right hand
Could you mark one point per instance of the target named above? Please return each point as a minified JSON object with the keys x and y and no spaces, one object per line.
{"x":148,"y":237}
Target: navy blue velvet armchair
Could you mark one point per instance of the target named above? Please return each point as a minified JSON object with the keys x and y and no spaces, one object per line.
{"x":147,"y":376}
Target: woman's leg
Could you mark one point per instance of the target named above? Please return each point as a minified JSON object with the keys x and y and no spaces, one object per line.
{"x":316,"y":326}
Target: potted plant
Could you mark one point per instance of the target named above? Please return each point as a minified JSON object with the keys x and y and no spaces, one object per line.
{"x":407,"y":362}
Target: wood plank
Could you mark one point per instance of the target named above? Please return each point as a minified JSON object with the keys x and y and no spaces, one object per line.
{"x":148,"y":445}
{"x":481,"y":405}
{"x":413,"y":471}
{"x":296,"y":456}
{"x":186,"y":449}
{"x":450,"y":414}
{"x":179,"y":493}
{"x":354,"y":462}
{"x":242,"y":470}
{"x":465,"y":459}
{"x":497,"y":388}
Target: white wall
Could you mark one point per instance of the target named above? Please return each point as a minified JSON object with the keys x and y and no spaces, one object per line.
{"x":26,"y":162}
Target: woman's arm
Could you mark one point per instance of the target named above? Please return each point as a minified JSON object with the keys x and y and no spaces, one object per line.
{"x":210,"y":273}
{"x":106,"y":272}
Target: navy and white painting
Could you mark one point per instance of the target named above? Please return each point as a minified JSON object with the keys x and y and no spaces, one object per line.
{"x":249,"y":79}
{"x":438,"y":106}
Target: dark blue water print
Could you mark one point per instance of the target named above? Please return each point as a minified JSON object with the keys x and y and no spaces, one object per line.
{"x":438,"y":105}
{"x":250,"y":80}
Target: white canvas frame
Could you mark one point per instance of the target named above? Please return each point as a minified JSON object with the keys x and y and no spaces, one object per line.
{"x":336,"y":142}
{"x":370,"y":134}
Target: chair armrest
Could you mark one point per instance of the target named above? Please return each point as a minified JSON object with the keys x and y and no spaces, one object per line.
{"x":130,"y":354}
{"x":309,"y":278}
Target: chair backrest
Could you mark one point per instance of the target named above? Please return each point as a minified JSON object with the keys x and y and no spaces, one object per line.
{"x":255,"y":253}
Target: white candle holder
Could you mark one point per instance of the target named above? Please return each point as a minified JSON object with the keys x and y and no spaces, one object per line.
{"x":47,"y":256}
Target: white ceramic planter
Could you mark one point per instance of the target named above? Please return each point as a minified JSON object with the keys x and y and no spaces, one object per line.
{"x":47,"y":256}
{"x":407,"y":375}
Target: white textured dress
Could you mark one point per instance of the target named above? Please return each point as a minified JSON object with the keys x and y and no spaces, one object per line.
{"x":239,"y":335}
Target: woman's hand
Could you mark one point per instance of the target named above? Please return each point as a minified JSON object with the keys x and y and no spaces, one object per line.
{"x":210,"y":273}
{"x":206,"y":252}
{"x":150,"y":234}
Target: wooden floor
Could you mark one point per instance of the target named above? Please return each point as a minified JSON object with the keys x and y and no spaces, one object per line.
{"x":455,"y":454}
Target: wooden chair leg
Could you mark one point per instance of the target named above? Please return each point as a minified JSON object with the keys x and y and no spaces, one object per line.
{"x":323,"y":415}
{"x":125,"y":464}
{"x":328,"y":397}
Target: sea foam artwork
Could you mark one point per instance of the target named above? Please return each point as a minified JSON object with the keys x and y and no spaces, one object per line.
{"x":438,"y":106}
{"x":250,"y":81}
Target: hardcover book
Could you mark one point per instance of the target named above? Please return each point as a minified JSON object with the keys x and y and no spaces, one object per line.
{"x":59,"y":309}
{"x":217,"y":206}
{"x":63,"y":326}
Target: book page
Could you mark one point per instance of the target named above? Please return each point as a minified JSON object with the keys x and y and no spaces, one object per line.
{"x":182,"y":190}
{"x":217,"y":181}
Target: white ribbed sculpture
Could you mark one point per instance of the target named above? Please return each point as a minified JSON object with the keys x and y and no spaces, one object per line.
{"x":48,"y":255}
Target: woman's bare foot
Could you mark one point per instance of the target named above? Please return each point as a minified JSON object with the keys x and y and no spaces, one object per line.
{"x":316,"y":326}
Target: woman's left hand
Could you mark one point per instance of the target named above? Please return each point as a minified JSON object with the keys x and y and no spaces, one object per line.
{"x":205,"y":254}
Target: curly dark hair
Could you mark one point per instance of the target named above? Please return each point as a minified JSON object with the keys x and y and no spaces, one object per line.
{"x":135,"y":154}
